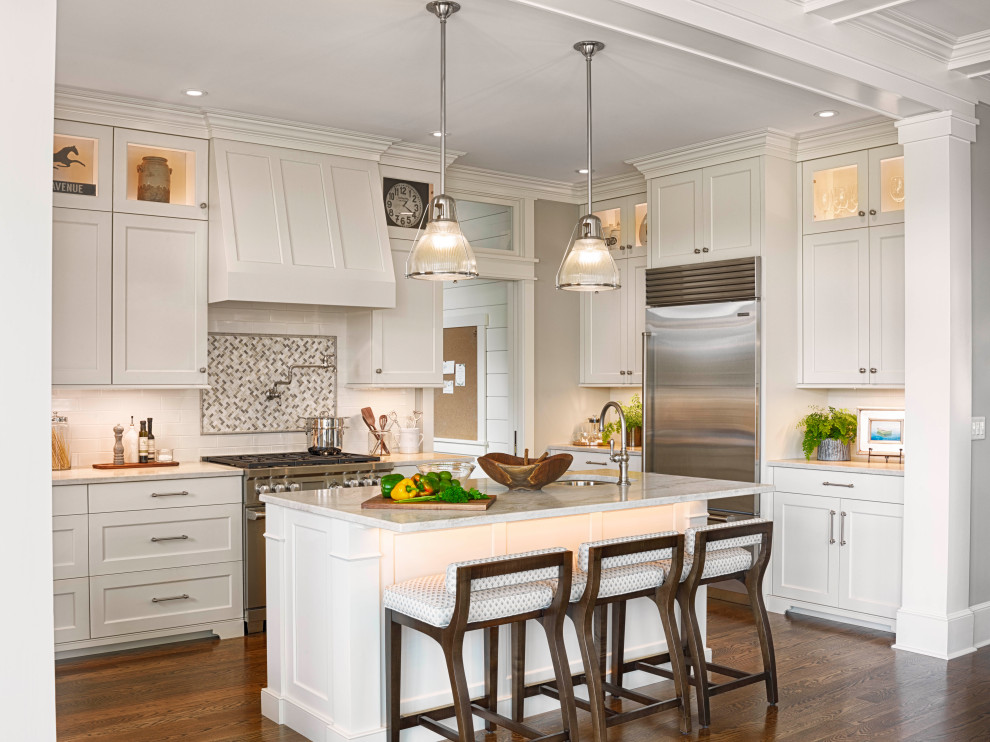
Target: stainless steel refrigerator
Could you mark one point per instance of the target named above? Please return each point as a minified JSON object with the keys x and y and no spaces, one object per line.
{"x":701,"y":375}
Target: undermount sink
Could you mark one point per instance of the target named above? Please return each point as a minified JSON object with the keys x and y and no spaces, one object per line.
{"x":582,"y":482}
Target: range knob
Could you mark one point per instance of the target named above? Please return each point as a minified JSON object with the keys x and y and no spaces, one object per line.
{"x":352,"y":482}
{"x":368,"y":482}
{"x":278,"y":488}
{"x":262,"y":489}
{"x":294,"y":487}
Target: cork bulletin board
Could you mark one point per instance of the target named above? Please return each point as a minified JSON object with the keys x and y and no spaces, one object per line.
{"x":456,"y":415}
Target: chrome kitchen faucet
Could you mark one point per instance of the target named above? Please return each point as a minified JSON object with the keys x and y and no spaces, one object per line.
{"x":622,"y":457}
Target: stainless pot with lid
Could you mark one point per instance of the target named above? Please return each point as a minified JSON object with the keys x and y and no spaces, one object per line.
{"x":326,"y":432}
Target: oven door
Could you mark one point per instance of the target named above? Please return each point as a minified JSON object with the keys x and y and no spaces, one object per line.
{"x":254,"y":569}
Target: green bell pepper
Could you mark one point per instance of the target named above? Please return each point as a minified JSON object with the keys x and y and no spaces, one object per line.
{"x":388,"y":483}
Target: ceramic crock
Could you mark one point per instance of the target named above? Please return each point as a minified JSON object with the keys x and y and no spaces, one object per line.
{"x":154,"y":180}
{"x":831,"y":449}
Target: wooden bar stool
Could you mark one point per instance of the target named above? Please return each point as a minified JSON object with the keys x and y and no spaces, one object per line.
{"x":714,"y":554}
{"x":480,"y":594}
{"x":612,"y":572}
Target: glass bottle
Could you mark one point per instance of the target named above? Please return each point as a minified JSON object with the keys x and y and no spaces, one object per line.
{"x":152,"y":454}
{"x":60,"y":442}
{"x":131,"y":444}
{"x":143,"y":443}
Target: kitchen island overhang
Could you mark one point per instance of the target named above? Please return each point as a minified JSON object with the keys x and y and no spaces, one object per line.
{"x":329,"y":563}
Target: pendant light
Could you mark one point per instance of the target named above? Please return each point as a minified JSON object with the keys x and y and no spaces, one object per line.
{"x":442,"y":252}
{"x":588,"y":264}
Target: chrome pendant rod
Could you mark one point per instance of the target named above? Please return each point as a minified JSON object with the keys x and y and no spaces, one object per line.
{"x":589,"y":49}
{"x":443,"y":101}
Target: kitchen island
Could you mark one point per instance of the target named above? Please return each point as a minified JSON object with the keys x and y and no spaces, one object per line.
{"x":329,"y":562}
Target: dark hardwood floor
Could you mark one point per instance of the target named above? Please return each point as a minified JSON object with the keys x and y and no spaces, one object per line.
{"x":836,"y":683}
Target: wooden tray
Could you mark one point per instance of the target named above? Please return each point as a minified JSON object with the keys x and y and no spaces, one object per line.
{"x":385,"y":503}
{"x":149,"y":465}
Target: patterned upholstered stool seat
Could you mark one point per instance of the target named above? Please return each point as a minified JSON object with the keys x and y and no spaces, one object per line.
{"x":427,"y":599}
{"x":629,"y":578}
{"x":718,"y":562}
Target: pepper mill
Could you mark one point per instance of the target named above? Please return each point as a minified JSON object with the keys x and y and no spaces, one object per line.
{"x":118,"y":444}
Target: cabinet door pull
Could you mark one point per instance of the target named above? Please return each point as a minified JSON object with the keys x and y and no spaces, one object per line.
{"x":842,"y":528}
{"x":156,"y":539}
{"x":862,"y":213}
{"x":595,"y":463}
{"x":697,"y":251}
{"x":836,"y":484}
{"x":873,"y":370}
{"x":704,"y":249}
{"x":169,"y":494}
{"x":622,"y":373}
{"x":184,"y":596}
{"x":862,"y":370}
{"x":873,"y":212}
{"x":831,"y":526}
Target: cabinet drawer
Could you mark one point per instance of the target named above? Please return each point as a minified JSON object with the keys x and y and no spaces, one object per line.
{"x":590,"y":461}
{"x":154,"y":539}
{"x":853,"y":485}
{"x":69,"y":499}
{"x":70,"y":551}
{"x":163,"y":493}
{"x":71,"y":603}
{"x":165,"y":598}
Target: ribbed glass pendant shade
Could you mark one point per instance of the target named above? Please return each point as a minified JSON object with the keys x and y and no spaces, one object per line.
{"x":442,"y":252}
{"x":588,"y":265}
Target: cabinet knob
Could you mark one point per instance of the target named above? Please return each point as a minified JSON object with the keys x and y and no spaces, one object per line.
{"x":704,"y":249}
{"x":873,"y":370}
{"x":862,"y":370}
{"x":378,"y":370}
{"x":862,"y":213}
{"x":697,"y":251}
{"x":203,"y":205}
{"x":629,"y":372}
{"x":873,"y":212}
{"x":622,"y":373}
{"x":202,"y":369}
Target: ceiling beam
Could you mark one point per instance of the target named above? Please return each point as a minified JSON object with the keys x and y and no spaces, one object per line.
{"x":845,"y":10}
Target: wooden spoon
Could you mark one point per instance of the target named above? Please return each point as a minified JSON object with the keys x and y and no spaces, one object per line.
{"x":369,"y":417}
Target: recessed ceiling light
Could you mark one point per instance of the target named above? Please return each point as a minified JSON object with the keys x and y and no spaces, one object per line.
{"x":582,"y":171}
{"x":826,"y":114}
{"x":195,"y":93}
{"x":439,"y":134}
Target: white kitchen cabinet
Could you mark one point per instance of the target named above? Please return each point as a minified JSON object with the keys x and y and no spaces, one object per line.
{"x":82,"y":166}
{"x":887,"y":304}
{"x":835,"y":192}
{"x":597,"y":458}
{"x":299,"y":227}
{"x":806,"y":564}
{"x":401,"y":347}
{"x":853,"y":307}
{"x":624,"y":223}
{"x":70,"y":600}
{"x":886,"y":185}
{"x":836,"y":307}
{"x":714,"y":213}
{"x":612,"y":324}
{"x":838,"y":552}
{"x":159,"y":300}
{"x":185,"y":158}
{"x":82,"y":260}
{"x":70,"y":546}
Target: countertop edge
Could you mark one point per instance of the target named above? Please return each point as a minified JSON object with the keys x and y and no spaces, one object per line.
{"x":94,"y":476}
{"x":849,"y":467}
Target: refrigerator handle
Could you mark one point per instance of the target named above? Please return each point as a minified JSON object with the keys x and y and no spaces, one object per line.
{"x":647,"y":427}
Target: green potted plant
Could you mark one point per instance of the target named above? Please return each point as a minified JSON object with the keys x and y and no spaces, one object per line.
{"x":634,"y":423}
{"x":830,"y":430}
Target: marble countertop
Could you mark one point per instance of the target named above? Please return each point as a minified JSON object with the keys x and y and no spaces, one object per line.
{"x":185,"y":470}
{"x":646,"y":490}
{"x":874,"y":467}
{"x":633,"y":450}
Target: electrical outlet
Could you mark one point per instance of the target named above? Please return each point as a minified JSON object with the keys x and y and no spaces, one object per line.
{"x":979,"y":428}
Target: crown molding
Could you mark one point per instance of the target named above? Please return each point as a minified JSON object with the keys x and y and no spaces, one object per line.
{"x":837,"y":140}
{"x":95,"y":107}
{"x":417,"y":156}
{"x":771,"y":142}
{"x":971,"y":54}
{"x":936,"y":125}
{"x":615,"y":186}
{"x":494,"y":182}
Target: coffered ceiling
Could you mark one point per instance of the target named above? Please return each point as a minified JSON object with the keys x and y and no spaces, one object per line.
{"x":516,"y":87}
{"x":956,"y":32}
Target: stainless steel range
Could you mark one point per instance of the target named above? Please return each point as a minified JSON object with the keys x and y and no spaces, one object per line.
{"x":286,"y":472}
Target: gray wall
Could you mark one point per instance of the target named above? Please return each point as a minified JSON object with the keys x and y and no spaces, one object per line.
{"x":979,"y":570}
{"x":560,"y":403}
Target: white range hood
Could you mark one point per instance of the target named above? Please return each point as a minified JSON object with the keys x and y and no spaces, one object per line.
{"x":290,"y":226}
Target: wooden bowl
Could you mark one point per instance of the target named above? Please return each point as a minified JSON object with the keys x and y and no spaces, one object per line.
{"x":514,"y":473}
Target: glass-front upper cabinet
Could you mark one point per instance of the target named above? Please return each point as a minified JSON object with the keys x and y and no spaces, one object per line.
{"x":159,"y":174}
{"x":886,"y":185}
{"x":624,"y":224}
{"x":836,"y":192}
{"x":81,"y":166}
{"x":487,"y":226}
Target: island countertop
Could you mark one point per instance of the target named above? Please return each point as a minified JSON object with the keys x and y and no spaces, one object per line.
{"x":646,"y":490}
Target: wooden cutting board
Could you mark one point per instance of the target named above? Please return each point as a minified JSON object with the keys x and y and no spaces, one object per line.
{"x":384,"y":503}
{"x":149,"y":465}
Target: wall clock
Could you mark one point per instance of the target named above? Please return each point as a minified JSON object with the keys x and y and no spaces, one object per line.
{"x":406,"y":202}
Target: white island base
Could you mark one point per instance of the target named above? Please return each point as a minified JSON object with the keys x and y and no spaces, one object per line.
{"x":329,"y":563}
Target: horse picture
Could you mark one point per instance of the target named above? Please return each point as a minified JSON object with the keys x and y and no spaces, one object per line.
{"x":61,"y":158}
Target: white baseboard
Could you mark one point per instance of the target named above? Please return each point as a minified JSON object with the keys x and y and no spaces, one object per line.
{"x":944,"y":637}
{"x":776,"y":604}
{"x":221,"y":629}
{"x":310,"y":723}
{"x":981,"y":624}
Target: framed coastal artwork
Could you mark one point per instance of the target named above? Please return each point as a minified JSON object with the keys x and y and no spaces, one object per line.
{"x":881,"y":430}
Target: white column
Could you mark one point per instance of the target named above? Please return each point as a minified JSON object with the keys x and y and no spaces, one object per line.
{"x":27,"y":86}
{"x":935,"y":618}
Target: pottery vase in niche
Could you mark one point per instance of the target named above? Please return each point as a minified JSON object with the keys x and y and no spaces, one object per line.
{"x":154,"y":180}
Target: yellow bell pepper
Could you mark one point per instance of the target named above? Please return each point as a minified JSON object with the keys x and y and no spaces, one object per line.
{"x":405,"y":490}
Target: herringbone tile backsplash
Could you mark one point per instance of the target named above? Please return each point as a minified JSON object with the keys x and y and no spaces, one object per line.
{"x":242,"y":367}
